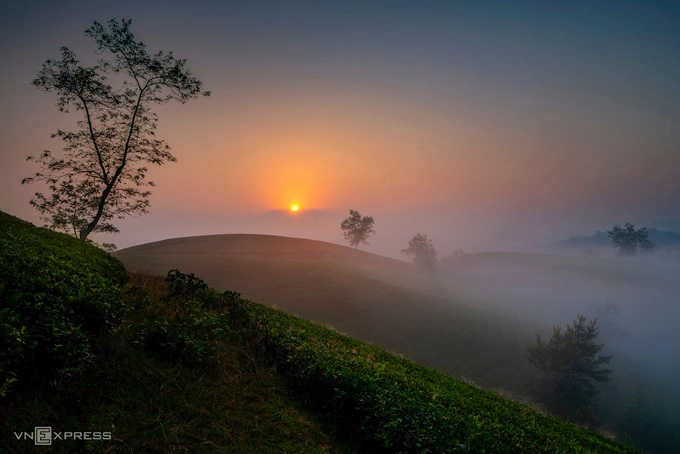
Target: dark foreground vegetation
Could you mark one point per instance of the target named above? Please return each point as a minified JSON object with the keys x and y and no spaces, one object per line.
{"x":172,"y":365}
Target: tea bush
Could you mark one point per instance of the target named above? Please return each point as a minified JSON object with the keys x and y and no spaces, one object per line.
{"x":393,"y":404}
{"x":191,"y":342}
{"x":57,"y":294}
{"x":187,"y":323}
{"x":192,"y":293}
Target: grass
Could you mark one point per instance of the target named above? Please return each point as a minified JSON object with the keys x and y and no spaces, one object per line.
{"x":150,"y":406}
{"x":371,"y":298}
{"x":390,"y":403}
{"x":236,"y":403}
{"x":190,"y":369}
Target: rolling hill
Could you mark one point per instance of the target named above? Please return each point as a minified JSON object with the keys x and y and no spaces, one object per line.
{"x":186,"y":368}
{"x":473,"y":319}
{"x":379,"y":300}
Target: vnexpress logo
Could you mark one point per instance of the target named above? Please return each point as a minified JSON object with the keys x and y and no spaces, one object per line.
{"x":43,"y":436}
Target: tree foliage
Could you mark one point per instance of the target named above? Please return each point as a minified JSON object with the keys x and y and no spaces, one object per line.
{"x":101,"y":174}
{"x":571,"y":360}
{"x":422,"y":250}
{"x":627,"y":239}
{"x":357,"y":229}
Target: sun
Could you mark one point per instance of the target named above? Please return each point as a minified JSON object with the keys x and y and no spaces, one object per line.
{"x":294,"y":208}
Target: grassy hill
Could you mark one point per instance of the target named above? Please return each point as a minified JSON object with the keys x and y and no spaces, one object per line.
{"x":379,"y":300}
{"x":473,"y":319}
{"x":59,"y":367}
{"x":183,"y":367}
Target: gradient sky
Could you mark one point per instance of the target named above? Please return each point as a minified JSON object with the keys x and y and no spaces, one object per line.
{"x":486,"y":125}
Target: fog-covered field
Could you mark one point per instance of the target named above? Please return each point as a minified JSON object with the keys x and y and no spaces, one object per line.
{"x":637,"y":303}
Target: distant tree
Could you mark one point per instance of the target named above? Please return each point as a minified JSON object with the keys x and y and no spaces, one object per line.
{"x":627,"y":239}
{"x":101,"y":174}
{"x":422,"y":250}
{"x":571,"y":361}
{"x":357,"y":229}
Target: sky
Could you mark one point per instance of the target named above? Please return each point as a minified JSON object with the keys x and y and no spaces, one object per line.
{"x":487,"y":125}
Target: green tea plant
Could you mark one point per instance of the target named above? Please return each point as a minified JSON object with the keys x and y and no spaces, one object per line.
{"x":189,"y":290}
{"x":392,"y":404}
{"x":193,"y":322}
{"x":192,"y":342}
{"x":57,"y":295}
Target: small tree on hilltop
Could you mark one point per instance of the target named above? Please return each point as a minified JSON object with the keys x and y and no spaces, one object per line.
{"x":571,"y":361}
{"x":627,"y":239}
{"x":357,"y":229}
{"x":422,"y":250}
{"x":101,"y":174}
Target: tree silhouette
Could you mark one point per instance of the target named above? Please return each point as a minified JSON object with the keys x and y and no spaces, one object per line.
{"x":357,"y":229}
{"x":422,"y":250}
{"x":101,"y":175}
{"x":627,"y":239}
{"x":571,"y":361}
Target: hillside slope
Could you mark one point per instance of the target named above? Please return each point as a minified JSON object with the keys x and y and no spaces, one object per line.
{"x":379,"y":300}
{"x":474,"y":319}
{"x":204,"y":334}
{"x":76,"y":359}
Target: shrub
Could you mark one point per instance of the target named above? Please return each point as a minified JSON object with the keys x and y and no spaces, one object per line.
{"x":190,"y":342}
{"x":57,"y":295}
{"x":188,"y":324}
{"x":193,"y":294}
{"x":570,"y":361}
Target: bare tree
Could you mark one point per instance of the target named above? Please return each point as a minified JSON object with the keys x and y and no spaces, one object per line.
{"x":101,"y":174}
{"x":357,"y":229}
